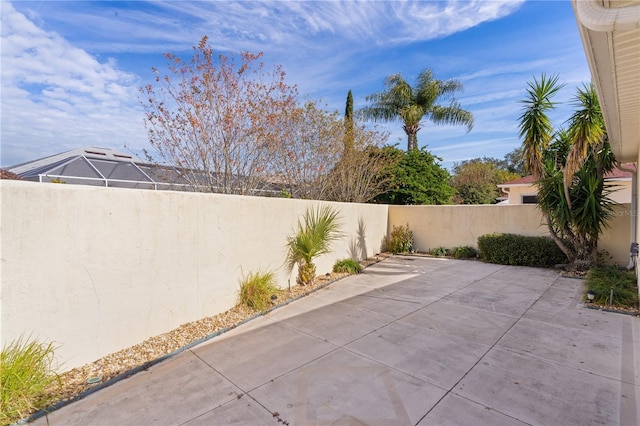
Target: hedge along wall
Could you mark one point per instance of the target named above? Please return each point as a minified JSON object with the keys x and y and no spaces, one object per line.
{"x":453,"y":226}
{"x":97,"y":270}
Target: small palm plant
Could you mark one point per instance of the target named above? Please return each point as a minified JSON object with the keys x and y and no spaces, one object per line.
{"x":316,"y":232}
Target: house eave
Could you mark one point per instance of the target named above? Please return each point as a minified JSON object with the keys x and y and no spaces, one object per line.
{"x":610,"y":33}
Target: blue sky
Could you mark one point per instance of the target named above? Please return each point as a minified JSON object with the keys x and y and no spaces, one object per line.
{"x":71,"y":70}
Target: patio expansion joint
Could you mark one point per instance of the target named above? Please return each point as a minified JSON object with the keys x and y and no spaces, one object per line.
{"x":247,"y":393}
{"x":491,"y":347}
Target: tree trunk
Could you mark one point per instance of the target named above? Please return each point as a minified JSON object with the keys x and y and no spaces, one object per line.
{"x":568,"y":251}
{"x":412,"y":137}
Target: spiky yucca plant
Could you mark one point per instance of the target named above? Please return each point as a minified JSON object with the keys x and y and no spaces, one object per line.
{"x":318,"y":229}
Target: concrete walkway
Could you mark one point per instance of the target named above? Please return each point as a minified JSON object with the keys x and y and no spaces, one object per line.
{"x":411,"y":341}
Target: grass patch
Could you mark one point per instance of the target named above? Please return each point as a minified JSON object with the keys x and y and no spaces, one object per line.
{"x":601,"y":280}
{"x":27,"y":377}
{"x":349,"y":266}
{"x":256,"y":290}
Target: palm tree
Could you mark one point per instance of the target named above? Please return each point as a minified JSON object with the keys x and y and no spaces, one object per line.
{"x":411,"y":104}
{"x":586,"y":131}
{"x":536,"y":129}
{"x":569,"y":166}
{"x":313,"y":238}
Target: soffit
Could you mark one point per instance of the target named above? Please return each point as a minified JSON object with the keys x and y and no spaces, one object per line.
{"x":614,"y":61}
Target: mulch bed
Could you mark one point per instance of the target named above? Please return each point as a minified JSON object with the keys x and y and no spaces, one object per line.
{"x":80,"y":380}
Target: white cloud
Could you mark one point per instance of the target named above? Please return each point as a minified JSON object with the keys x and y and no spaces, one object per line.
{"x":60,"y":89}
{"x":56,"y":96}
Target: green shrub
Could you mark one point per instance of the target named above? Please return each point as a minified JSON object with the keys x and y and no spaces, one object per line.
{"x":347,"y":265}
{"x":511,"y":249}
{"x":601,"y":280}
{"x":256,"y":290}
{"x":27,"y":379}
{"x":464,"y":252}
{"x":439,"y":252}
{"x":400,"y":240}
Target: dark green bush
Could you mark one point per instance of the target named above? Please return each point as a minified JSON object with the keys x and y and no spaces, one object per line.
{"x":511,"y":249}
{"x":347,"y":265}
{"x":601,"y":280}
{"x":400,"y":240}
{"x":464,"y":252}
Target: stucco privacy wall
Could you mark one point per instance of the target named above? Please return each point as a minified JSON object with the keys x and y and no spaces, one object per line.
{"x":458,"y":225}
{"x":453,"y":226}
{"x":97,"y":270}
{"x":616,"y":239}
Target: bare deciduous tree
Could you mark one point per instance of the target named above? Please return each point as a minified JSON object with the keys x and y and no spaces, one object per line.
{"x":311,"y":146}
{"x":216,"y":121}
{"x":359,"y":175}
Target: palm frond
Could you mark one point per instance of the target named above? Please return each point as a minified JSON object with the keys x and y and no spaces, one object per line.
{"x":586,"y":128}
{"x":452,"y":114}
{"x":316,"y":231}
{"x":536,"y":128}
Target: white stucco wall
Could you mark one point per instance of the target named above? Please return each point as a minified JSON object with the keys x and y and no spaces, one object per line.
{"x":453,"y":226}
{"x":517,"y":192}
{"x":461,"y":225}
{"x":97,"y":270}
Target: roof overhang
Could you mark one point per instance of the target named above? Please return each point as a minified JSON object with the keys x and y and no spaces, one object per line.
{"x":610,"y":32}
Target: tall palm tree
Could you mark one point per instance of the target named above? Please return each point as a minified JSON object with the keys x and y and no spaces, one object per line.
{"x":536,"y":128}
{"x":569,"y":171}
{"x":586,"y":130}
{"x":400,"y":101}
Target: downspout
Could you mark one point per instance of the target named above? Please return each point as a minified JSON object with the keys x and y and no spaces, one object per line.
{"x":596,"y":17}
{"x":633,"y":249}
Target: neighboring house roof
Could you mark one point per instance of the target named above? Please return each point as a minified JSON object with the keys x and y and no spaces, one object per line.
{"x":610,"y":32}
{"x":107,"y":167}
{"x":6,"y":174}
{"x":99,"y":167}
{"x":615,"y":174}
{"x":526,"y":180}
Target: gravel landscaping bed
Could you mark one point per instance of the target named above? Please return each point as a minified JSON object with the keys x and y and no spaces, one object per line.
{"x":79,"y":380}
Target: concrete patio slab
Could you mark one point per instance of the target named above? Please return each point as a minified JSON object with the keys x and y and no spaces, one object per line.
{"x":470,"y":323}
{"x":253,"y":358}
{"x":391,"y":308}
{"x":454,"y":410}
{"x":345,"y":388}
{"x":577,"y":348}
{"x":326,"y":323}
{"x":513,"y":302}
{"x":241,"y":411}
{"x":536,"y":391}
{"x":410,"y":341}
{"x":155,"y":396}
{"x":438,"y":358}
